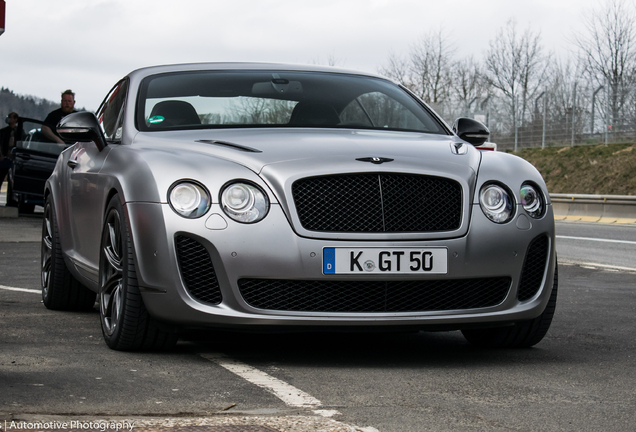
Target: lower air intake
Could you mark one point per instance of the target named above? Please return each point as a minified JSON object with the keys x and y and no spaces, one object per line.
{"x":374,"y":296}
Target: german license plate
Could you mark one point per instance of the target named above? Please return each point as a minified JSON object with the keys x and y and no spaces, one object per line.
{"x":429,"y":260}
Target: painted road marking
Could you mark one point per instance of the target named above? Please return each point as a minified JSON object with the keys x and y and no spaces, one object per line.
{"x":286,"y":392}
{"x":597,"y":265}
{"x":596,"y":239}
{"x":20,"y":289}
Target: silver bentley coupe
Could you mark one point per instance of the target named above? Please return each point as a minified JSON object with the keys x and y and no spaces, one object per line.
{"x":289,"y":198}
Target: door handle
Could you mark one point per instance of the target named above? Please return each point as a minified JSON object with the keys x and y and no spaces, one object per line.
{"x":72,"y":163}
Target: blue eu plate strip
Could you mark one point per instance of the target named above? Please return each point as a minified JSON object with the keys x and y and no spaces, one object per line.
{"x":329,"y":261}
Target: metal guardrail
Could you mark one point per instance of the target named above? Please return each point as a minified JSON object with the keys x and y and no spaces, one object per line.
{"x":614,"y":199}
{"x":605,"y":208}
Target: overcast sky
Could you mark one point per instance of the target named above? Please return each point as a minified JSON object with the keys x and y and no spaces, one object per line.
{"x":87,"y":45}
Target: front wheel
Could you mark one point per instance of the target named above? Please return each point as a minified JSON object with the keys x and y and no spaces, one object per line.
{"x":126,"y":324}
{"x":521,"y":335}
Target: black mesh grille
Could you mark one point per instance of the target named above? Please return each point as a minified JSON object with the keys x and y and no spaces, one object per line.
{"x":380,"y":202}
{"x":197,"y":270}
{"x":374,"y":296}
{"x":533,"y":268}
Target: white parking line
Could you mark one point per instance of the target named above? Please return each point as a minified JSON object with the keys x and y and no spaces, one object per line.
{"x":597,"y":265}
{"x":20,"y":289}
{"x":596,"y":239}
{"x":285,"y":392}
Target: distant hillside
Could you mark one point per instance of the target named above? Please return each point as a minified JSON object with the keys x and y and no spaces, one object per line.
{"x":597,"y":169}
{"x":25,"y":106}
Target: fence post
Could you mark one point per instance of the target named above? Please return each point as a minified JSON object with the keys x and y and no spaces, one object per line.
{"x":536,"y":110}
{"x":485,"y":102}
{"x":573,"y":111}
{"x":607,"y":112}
{"x":593,"y":109}
{"x":545,"y":115}
{"x":516,"y":120}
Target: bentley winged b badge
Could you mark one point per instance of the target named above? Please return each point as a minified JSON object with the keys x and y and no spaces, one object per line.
{"x":375,"y":160}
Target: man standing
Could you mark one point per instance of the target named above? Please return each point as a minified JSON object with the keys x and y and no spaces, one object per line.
{"x":54,"y":117}
{"x":9,"y":136}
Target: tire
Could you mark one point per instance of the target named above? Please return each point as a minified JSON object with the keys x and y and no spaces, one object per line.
{"x":126,"y":324}
{"x":60,"y":290}
{"x":523,"y":334}
{"x":11,"y":201}
{"x":25,"y":208}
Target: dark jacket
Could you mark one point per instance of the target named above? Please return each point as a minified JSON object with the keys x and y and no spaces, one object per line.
{"x":5,"y":134}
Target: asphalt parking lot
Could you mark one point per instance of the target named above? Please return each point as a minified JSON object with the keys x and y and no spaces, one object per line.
{"x":581,"y":377}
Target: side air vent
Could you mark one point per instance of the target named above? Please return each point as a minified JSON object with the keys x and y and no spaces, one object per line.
{"x":197,"y":271}
{"x":533,"y":268}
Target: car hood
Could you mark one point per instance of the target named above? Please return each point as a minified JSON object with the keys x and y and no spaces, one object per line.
{"x":292,"y":152}
{"x":282,"y":156}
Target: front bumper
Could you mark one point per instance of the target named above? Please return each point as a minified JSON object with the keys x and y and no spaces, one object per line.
{"x":271,"y":250}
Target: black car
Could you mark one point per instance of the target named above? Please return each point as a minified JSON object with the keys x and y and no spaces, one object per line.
{"x":34,"y":158}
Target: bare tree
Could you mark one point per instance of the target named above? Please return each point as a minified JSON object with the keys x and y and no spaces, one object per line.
{"x":609,"y":51}
{"x":568,"y":100}
{"x":427,"y":69}
{"x":431,"y":59}
{"x":516,"y":66}
{"x":468,"y":83}
{"x":398,"y":69}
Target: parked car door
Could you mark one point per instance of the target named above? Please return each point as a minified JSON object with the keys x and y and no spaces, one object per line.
{"x":34,"y":159}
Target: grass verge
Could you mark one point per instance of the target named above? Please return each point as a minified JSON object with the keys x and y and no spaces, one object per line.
{"x":598,"y":169}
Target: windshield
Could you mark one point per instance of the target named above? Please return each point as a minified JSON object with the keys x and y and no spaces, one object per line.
{"x":213,"y":99}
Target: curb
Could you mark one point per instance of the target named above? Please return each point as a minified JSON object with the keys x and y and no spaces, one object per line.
{"x":8,"y":212}
{"x":595,"y":219}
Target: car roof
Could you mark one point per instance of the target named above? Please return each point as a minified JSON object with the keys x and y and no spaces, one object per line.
{"x":211,"y":66}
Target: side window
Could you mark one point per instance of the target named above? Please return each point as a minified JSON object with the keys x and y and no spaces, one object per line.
{"x":110,"y":114}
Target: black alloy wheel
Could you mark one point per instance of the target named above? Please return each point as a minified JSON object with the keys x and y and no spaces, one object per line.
{"x":111,"y":290}
{"x":60,"y":290}
{"x":126,"y":324}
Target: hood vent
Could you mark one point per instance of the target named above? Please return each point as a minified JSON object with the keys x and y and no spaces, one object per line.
{"x":231,"y":145}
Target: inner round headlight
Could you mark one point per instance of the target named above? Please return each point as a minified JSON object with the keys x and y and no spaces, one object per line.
{"x":496,"y":203}
{"x":244,"y":202}
{"x":532,"y":201}
{"x":189,"y":199}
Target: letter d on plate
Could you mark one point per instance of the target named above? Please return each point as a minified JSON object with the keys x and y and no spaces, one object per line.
{"x":329,"y":261}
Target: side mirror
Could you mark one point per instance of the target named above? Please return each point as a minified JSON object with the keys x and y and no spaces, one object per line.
{"x":471,"y":130}
{"x":82,"y":126}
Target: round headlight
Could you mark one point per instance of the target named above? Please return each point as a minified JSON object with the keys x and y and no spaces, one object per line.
{"x":189,"y":199}
{"x":244,"y":202}
{"x":532,"y":200}
{"x":496,"y":203}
